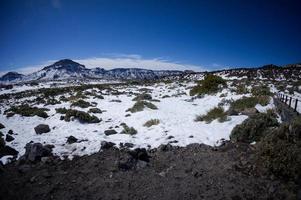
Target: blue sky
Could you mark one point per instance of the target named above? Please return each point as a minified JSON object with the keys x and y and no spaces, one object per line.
{"x":196,"y":34}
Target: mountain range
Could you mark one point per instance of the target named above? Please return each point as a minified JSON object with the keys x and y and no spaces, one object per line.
{"x":67,"y":69}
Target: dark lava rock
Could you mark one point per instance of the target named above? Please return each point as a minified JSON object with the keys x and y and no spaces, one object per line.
{"x":35,"y":151}
{"x":11,"y":132}
{"x":7,"y":150}
{"x":1,"y":126}
{"x":1,"y":134}
{"x":42,"y":128}
{"x":71,"y":139}
{"x":62,"y":117}
{"x":9,"y":138}
{"x":165,"y":147}
{"x":110,"y":132}
{"x":106,"y":145}
{"x":140,"y":154}
{"x":2,"y":143}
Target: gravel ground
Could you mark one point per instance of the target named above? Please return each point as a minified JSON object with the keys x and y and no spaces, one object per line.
{"x":192,"y":172}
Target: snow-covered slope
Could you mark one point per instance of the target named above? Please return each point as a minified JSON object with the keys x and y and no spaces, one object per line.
{"x":68,"y":69}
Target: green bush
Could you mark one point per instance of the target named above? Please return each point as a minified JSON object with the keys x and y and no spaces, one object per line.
{"x":151,"y":122}
{"x":248,"y":102}
{"x":81,"y":103}
{"x":280,"y":151}
{"x":28,"y":111}
{"x":128,"y":130}
{"x":143,"y":96}
{"x":61,"y":110}
{"x":139,"y":106}
{"x":94,"y":110}
{"x":215,"y":113}
{"x":82,"y":116}
{"x":52,"y":101}
{"x":209,"y":85}
{"x":254,"y":128}
{"x":241,"y":89}
{"x":261,"y":90}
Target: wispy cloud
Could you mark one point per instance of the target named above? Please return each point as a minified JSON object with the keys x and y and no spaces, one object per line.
{"x":110,"y":61}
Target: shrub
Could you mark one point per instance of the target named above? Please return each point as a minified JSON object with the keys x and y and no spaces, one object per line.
{"x":52,"y":102}
{"x":82,"y":116}
{"x":139,"y":106}
{"x":261,"y":90}
{"x":143,"y":96}
{"x":248,"y":102}
{"x":128,"y":130}
{"x":94,"y":110}
{"x":241,"y":89}
{"x":81,"y":103}
{"x":215,"y":113}
{"x":151,"y":122}
{"x":28,"y":111}
{"x":253,"y":128}
{"x":280,"y":151}
{"x":208,"y":86}
{"x":61,"y":110}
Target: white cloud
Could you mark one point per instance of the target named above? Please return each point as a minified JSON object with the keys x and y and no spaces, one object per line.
{"x":111,"y":61}
{"x":135,"y":61}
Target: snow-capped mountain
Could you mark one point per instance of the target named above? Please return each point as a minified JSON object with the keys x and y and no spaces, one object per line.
{"x":11,"y":76}
{"x":68,"y":69}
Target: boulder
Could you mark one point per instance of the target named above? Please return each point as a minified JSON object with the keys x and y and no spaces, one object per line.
{"x":35,"y":151}
{"x":107,"y":145}
{"x":7,"y":150}
{"x":71,"y":139}
{"x":42,"y":128}
{"x":9,"y":138}
{"x":110,"y":132}
{"x":11,"y":132}
{"x":140,"y":154}
{"x":1,"y":126}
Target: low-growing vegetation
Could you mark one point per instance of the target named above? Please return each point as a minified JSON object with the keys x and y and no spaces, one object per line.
{"x":280,"y":151}
{"x":94,"y":110}
{"x":141,"y":97}
{"x":254,"y":128}
{"x":140,"y":105}
{"x":28,"y":111}
{"x":215,"y":113}
{"x":262,"y":90}
{"x":82,"y":116}
{"x":247,"y":103}
{"x":128,"y":130}
{"x":151,"y":122}
{"x":209,"y":85}
{"x":81,"y":103}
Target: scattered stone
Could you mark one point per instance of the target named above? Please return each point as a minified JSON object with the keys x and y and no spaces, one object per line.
{"x":106,"y":145}
{"x":1,"y":126}
{"x":140,"y":154}
{"x":110,"y":132}
{"x":42,"y":128}
{"x":11,"y":132}
{"x":62,"y":117}
{"x":7,"y":150}
{"x":71,"y":139}
{"x":9,"y":138}
{"x":170,"y":137}
{"x":34,"y":152}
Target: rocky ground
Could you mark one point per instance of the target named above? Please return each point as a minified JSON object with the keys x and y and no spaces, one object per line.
{"x":192,"y":172}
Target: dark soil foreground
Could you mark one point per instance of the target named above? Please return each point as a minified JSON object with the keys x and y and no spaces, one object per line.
{"x":193,"y":172}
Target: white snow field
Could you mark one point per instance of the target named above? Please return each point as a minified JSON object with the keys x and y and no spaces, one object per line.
{"x":176,"y":114}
